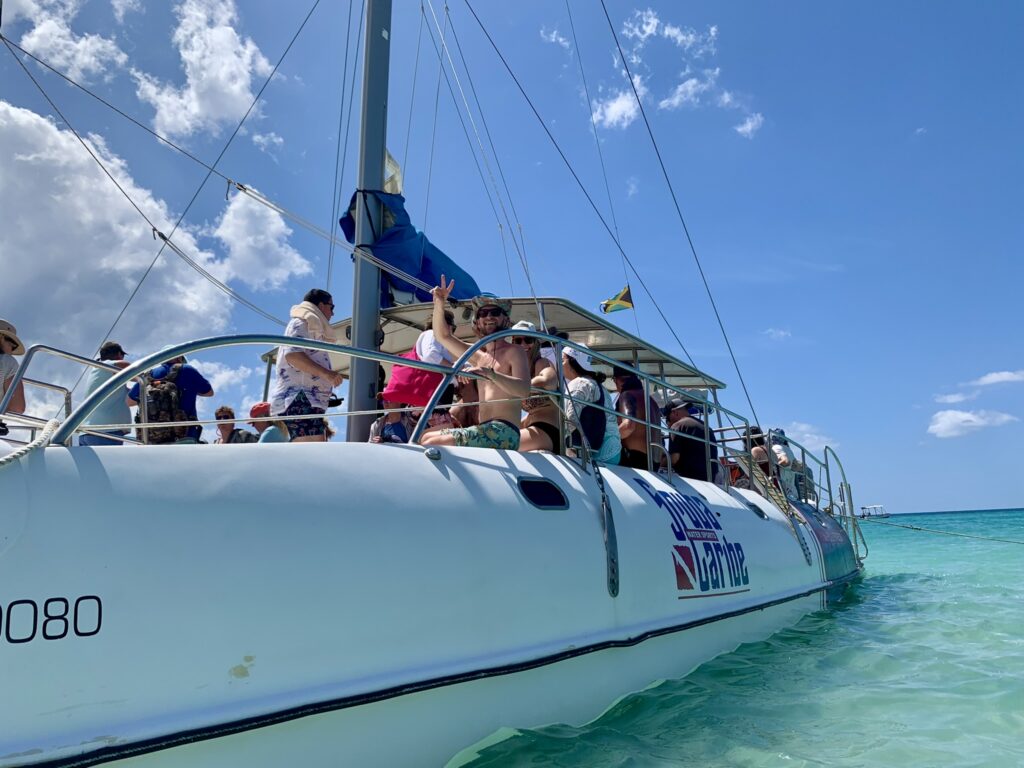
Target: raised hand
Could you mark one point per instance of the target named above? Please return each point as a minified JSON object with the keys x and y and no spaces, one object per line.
{"x":443,"y":291}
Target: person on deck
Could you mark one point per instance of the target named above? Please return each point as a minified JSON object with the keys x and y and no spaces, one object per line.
{"x":689,"y":452}
{"x":540,"y":428}
{"x":503,"y":366}
{"x":584,"y":385}
{"x":227,"y":432}
{"x":393,"y":427}
{"x":304,"y":376}
{"x":113,"y":410}
{"x":269,"y":431}
{"x":631,"y":404}
{"x":10,"y":345}
{"x":191,"y":384}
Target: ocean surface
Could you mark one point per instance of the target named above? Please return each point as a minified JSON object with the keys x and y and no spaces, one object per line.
{"x":922,"y":664}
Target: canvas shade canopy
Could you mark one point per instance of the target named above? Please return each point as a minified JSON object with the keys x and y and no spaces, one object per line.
{"x":402,"y":325}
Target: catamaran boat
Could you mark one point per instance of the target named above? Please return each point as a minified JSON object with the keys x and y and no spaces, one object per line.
{"x":349,"y":603}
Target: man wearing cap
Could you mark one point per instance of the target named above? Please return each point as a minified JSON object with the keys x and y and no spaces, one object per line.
{"x":10,"y":345}
{"x":113,"y":410}
{"x":634,"y":406}
{"x":689,"y":452}
{"x":191,"y":384}
{"x":504,"y":370}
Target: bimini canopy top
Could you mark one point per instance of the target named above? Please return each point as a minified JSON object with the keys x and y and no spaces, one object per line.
{"x":402,"y":325}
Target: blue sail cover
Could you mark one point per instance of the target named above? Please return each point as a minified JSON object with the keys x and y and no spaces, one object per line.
{"x":407,"y":249}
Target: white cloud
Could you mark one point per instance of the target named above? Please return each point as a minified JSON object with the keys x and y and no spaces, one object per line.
{"x":955,"y":423}
{"x":78,"y":56}
{"x":82,"y":249}
{"x":554,"y":36}
{"x":956,"y":397}
{"x":256,"y":240}
{"x":219,"y":70}
{"x":809,"y":436}
{"x":122,"y":7}
{"x":223,"y":377}
{"x":632,"y":186}
{"x":643,"y":25}
{"x":920,"y":131}
{"x":690,"y":40}
{"x":621,"y":108}
{"x":266,"y":142}
{"x":726,"y":100}
{"x":689,"y":91}
{"x":776,"y":334}
{"x":998,"y":377}
{"x":750,"y":126}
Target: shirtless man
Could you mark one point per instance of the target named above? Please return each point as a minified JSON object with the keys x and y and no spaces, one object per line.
{"x":503,"y":366}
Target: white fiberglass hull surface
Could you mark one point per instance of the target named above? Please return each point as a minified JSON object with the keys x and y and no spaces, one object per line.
{"x":356,"y":604}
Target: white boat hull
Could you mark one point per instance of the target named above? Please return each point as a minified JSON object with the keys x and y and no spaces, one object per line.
{"x":360,"y":604}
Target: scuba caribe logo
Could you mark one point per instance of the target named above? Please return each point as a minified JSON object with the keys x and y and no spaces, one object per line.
{"x":706,"y":562}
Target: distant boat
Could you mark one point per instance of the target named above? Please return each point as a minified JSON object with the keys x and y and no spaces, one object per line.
{"x":874,"y":510}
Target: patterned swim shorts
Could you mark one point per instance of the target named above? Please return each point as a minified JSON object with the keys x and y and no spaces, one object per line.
{"x":491,"y":434}
{"x":303,"y":427}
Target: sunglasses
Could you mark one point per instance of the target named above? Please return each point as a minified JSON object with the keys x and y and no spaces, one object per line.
{"x":489,"y":312}
{"x":522,"y":340}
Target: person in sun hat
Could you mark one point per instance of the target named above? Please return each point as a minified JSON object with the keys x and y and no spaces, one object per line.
{"x":10,"y":345}
{"x":269,"y":431}
{"x":504,"y":369}
{"x":540,"y":428}
{"x":584,"y":385}
{"x":113,"y":410}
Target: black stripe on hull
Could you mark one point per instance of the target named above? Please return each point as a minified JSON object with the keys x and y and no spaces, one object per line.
{"x":183,"y":738}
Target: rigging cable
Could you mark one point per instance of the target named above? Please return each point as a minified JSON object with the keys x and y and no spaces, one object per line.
{"x":937,"y":531}
{"x":583,"y":189}
{"x":521,"y":251}
{"x":253,"y":194}
{"x":433,"y":132}
{"x":348,"y":124}
{"x":165,"y":240}
{"x":597,"y":143}
{"x":337,"y":151}
{"x":472,"y":153}
{"x":415,"y":78}
{"x":679,"y":212}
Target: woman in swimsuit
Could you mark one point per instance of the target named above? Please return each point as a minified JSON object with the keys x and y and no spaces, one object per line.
{"x":540,"y":427}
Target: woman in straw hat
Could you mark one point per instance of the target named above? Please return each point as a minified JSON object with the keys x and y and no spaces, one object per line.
{"x":10,"y":345}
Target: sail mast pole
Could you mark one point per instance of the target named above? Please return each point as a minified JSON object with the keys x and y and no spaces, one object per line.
{"x":363,"y":386}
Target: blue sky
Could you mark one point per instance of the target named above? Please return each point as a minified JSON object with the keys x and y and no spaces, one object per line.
{"x":851,"y":176}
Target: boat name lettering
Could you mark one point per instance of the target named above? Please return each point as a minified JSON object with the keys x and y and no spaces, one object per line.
{"x":705,"y":560}
{"x":22,"y":621}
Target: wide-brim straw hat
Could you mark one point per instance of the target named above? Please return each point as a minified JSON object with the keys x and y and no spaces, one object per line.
{"x":8,"y":330}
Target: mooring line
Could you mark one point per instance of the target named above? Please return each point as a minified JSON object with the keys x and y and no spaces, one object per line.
{"x":944,"y":533}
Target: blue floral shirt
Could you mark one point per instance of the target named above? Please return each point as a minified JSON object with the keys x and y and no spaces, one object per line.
{"x":291,"y":381}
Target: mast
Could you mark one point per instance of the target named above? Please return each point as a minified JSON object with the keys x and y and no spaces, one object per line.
{"x":362,"y":390}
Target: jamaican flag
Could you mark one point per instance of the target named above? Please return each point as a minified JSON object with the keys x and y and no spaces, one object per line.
{"x":622,"y":300}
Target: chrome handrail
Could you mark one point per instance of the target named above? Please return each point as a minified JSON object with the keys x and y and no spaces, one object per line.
{"x":124,"y":375}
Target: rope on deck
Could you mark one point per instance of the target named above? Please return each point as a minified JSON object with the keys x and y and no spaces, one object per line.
{"x":42,"y":439}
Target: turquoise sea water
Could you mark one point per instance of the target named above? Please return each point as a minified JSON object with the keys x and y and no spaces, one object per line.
{"x":921,"y":665}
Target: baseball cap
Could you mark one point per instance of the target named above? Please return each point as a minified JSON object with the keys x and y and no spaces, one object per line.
{"x":259,"y":411}
{"x":580,"y":356}
{"x":111,"y":349}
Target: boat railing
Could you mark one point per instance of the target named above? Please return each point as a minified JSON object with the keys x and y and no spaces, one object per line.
{"x":734,"y":449}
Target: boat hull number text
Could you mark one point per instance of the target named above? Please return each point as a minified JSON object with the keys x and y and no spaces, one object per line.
{"x":706,"y":562}
{"x":56,"y":618}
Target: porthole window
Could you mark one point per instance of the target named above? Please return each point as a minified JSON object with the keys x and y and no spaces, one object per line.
{"x":543,"y":493}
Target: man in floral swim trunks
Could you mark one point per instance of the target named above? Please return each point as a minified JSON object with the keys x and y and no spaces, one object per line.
{"x":505,"y":369}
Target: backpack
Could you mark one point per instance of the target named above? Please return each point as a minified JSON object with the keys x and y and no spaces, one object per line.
{"x":163,"y":403}
{"x":593,"y":423}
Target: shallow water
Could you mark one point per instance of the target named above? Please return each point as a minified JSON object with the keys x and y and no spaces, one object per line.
{"x":922,"y":664}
